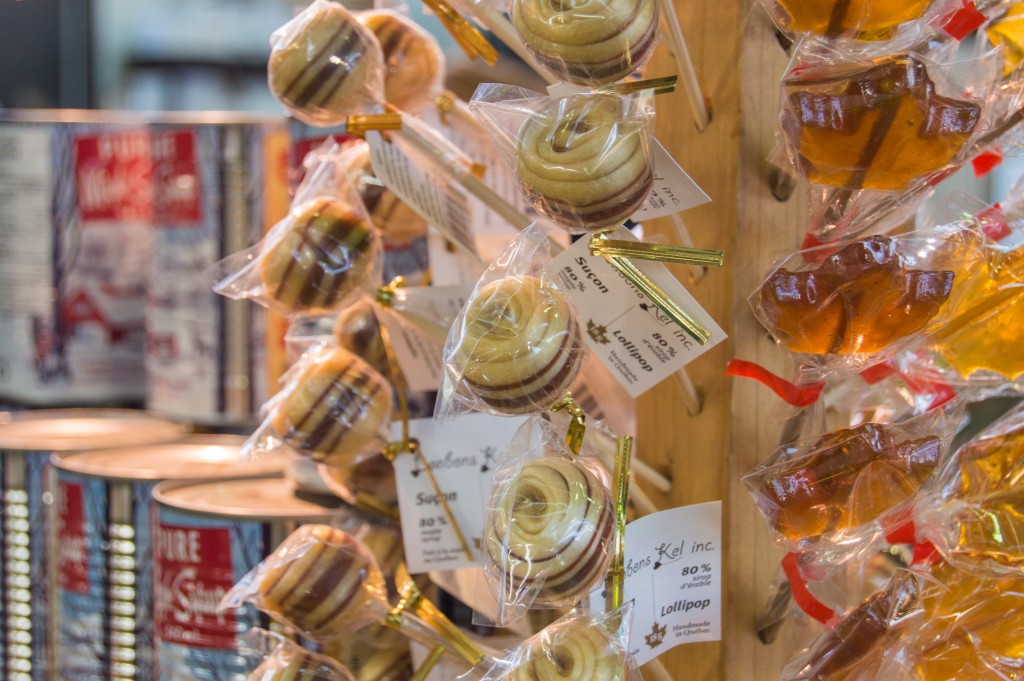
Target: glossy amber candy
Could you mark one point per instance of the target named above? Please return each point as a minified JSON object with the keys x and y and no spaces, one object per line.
{"x":971,"y":629}
{"x":988,"y":532}
{"x":989,"y":464}
{"x":877,"y":126}
{"x":850,"y":477}
{"x":859,"y":300}
{"x":1008,"y":31}
{"x":835,"y":17}
{"x":859,"y":638}
{"x":988,"y":333}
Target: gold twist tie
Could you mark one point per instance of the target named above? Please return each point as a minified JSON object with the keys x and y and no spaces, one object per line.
{"x":386,"y":294}
{"x":653,"y":292}
{"x":659,"y":86}
{"x":358,"y":125}
{"x":679,"y":255}
{"x":411,"y":600}
{"x":374,"y":506}
{"x":472,"y":42}
{"x":407,"y":443}
{"x":577,"y":422}
{"x":428,"y":664}
{"x":614,"y":583}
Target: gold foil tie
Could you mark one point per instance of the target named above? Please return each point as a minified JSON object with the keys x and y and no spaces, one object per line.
{"x":367,"y":502}
{"x":680,"y":255}
{"x":358,"y":125}
{"x":412,"y":600}
{"x":615,"y":581}
{"x":386,"y":294}
{"x":428,"y":664}
{"x":659,"y":86}
{"x":472,"y":42}
{"x":577,"y":422}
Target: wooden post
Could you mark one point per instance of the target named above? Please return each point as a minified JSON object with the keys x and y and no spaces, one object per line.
{"x":740,"y":64}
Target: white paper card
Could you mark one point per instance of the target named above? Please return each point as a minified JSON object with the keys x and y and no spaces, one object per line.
{"x":674,"y":579}
{"x":423,"y":187}
{"x":636,"y":341}
{"x":418,"y":333}
{"x":674,"y":191}
{"x":463,"y":455}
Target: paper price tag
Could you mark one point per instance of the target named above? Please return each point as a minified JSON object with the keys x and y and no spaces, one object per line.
{"x":462,"y":455}
{"x":674,"y":191}
{"x":638,"y":343}
{"x":423,"y":187}
{"x":673,"y":579}
{"x":419,"y":356}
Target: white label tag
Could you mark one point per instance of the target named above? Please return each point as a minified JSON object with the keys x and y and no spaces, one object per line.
{"x":450,"y":265}
{"x":674,"y":191}
{"x":463,"y":455}
{"x":419,"y":356}
{"x":423,"y":187}
{"x":673,"y":579}
{"x":635,"y":340}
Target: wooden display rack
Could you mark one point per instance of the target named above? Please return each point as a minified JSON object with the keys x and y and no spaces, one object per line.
{"x":740,"y":63}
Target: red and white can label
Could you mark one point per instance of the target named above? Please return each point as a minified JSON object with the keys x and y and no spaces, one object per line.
{"x":176,"y":182}
{"x":112,"y":175}
{"x":192,"y":571}
{"x":73,"y":557}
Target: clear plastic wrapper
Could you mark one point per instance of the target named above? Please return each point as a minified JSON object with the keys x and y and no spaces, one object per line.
{"x":974,"y":512}
{"x":291,"y":662}
{"x":517,"y":345}
{"x":357,"y":329}
{"x":1007,"y":30}
{"x":584,"y":160}
{"x":582,"y":646}
{"x":873,"y":133}
{"x":852,"y":305}
{"x":414,"y":65}
{"x":588,"y":42}
{"x":334,"y":408}
{"x":856,"y":647}
{"x":550,"y":524}
{"x":325,"y":66}
{"x":832,"y":495}
{"x":970,"y":629}
{"x":368,"y":484}
{"x":324,"y":251}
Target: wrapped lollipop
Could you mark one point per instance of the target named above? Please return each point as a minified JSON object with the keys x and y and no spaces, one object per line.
{"x":1007,"y":31}
{"x":516,"y":347}
{"x":834,"y":493}
{"x":583,"y":160}
{"x":413,"y":62}
{"x":854,"y":305}
{"x":326,"y":584}
{"x":334,"y":408}
{"x":975,"y":513}
{"x":970,"y":629}
{"x":290,"y":662}
{"x":550,"y":524}
{"x":329,"y":69}
{"x":316,"y":258}
{"x":854,"y":649}
{"x":866,"y":20}
{"x":581,"y":646}
{"x":872,"y":134}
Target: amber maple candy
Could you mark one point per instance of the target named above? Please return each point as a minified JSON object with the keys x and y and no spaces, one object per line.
{"x":859,"y":300}
{"x":850,"y":477}
{"x":876,"y":126}
{"x":835,"y":17}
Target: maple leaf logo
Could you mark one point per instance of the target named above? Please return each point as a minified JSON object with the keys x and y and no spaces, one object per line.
{"x":597,"y":332}
{"x":657,"y":635}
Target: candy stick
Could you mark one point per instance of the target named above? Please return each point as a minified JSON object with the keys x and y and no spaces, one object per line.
{"x":691,"y":84}
{"x":658,"y":670}
{"x":644,"y":504}
{"x":691,"y":398}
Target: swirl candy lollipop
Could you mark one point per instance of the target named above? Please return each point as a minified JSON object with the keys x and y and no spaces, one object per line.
{"x":414,"y":64}
{"x":325,"y":584}
{"x":518,"y":347}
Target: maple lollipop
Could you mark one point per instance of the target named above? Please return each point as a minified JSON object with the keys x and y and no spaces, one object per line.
{"x":834,"y":18}
{"x":868,"y":298}
{"x":975,"y":517}
{"x":290,"y":662}
{"x":1007,"y":30}
{"x":843,"y":480}
{"x":414,"y":64}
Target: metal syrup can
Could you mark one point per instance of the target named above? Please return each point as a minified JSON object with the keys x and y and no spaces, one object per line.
{"x":207,"y":537}
{"x":27,"y":440}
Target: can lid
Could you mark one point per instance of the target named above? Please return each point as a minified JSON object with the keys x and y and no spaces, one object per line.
{"x":196,"y":457}
{"x":62,"y":430}
{"x":263,"y":498}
